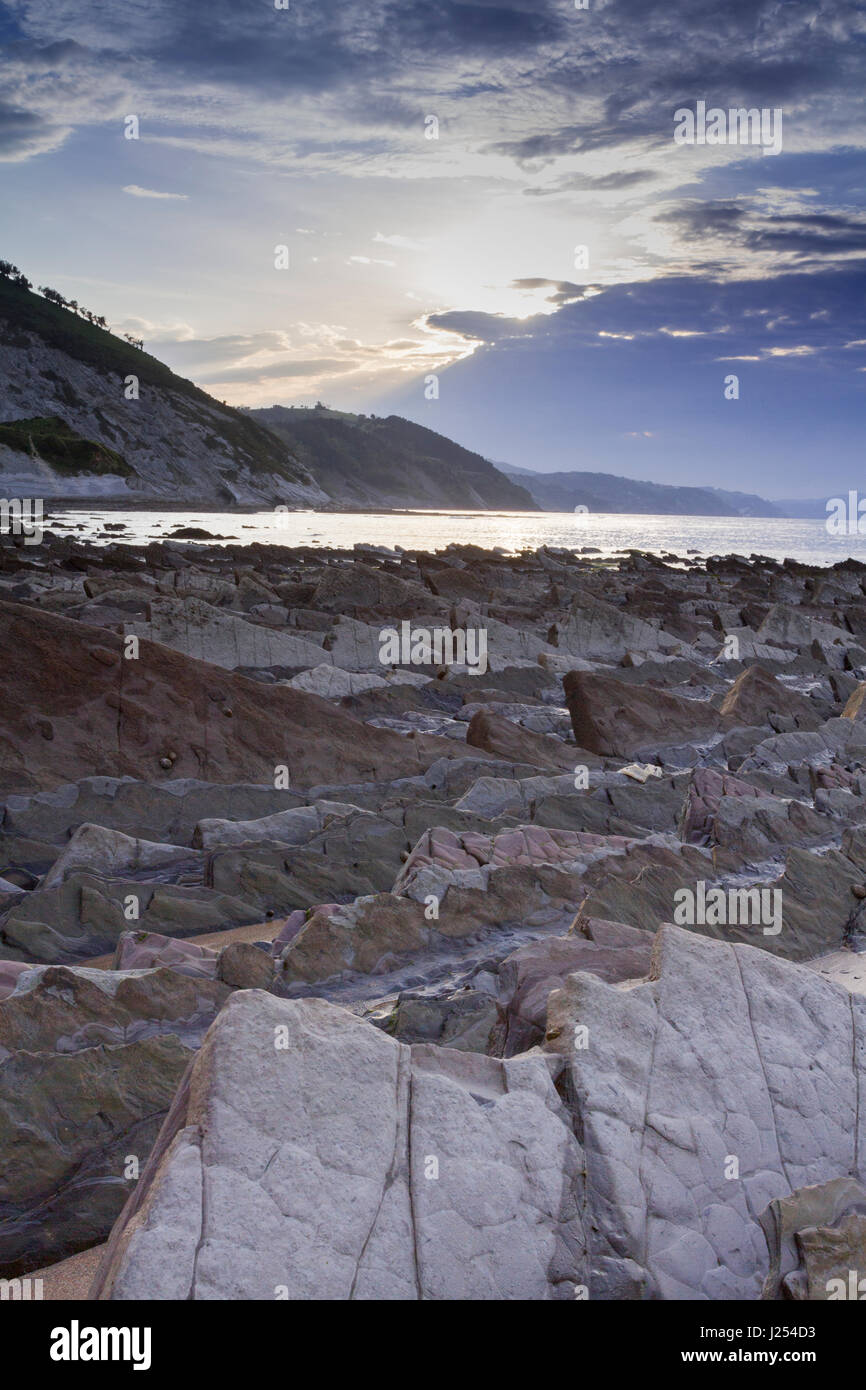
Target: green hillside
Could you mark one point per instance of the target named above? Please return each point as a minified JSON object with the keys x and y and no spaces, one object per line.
{"x":23,"y":313}
{"x":51,"y":439}
{"x":366,"y":460}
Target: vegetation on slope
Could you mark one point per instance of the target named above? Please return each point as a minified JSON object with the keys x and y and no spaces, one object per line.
{"x":51,"y":439}
{"x":366,"y":460}
{"x":25,"y":313}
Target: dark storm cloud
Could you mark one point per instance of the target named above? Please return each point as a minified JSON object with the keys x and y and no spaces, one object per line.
{"x":24,"y":133}
{"x":802,"y":234}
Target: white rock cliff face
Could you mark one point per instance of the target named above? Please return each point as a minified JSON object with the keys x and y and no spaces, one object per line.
{"x":180,"y":447}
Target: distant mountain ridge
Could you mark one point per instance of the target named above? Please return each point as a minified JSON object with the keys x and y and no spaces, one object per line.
{"x":808,"y":508}
{"x":370,"y":461}
{"x":606,"y":492}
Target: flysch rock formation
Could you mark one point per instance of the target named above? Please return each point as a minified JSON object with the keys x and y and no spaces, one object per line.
{"x":728,"y":1079}
{"x":310,"y":1156}
{"x":307,"y":1156}
{"x":223,"y":802}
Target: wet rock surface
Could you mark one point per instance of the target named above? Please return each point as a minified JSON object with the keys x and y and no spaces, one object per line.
{"x":247,"y":788}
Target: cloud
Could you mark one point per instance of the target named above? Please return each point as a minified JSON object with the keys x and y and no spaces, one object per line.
{"x":25,"y":134}
{"x":616,"y":181}
{"x":180,"y":348}
{"x":137,"y":192}
{"x":315,"y":116}
{"x":776,"y":312}
{"x":562,"y":291}
{"x":647,"y":360}
{"x":794,"y":236}
{"x":275,"y":371}
{"x":403,"y":243}
{"x":515,"y":81}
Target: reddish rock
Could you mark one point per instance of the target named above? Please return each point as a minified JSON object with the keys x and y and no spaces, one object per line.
{"x":72,"y":705}
{"x":618,"y":720}
{"x":508,"y":741}
{"x":705,"y":791}
{"x":756,"y":694}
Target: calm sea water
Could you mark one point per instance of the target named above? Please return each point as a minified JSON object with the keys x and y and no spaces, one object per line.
{"x":807,"y":541}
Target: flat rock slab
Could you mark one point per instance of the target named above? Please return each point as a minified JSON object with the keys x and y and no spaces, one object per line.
{"x":197,"y":629}
{"x":727,"y":1080}
{"x":618,"y":720}
{"x":310,"y":1156}
{"x":845,"y":968}
{"x":70,"y":701}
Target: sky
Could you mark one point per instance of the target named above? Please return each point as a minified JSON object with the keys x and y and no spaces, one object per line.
{"x":489,"y":224}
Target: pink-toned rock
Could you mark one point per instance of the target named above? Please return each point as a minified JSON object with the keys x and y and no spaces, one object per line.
{"x":835,"y":776}
{"x":507,"y":740}
{"x":705,"y":791}
{"x":527,"y":845}
{"x":611,"y":950}
{"x":295,"y":920}
{"x":139,"y":950}
{"x":9,"y":972}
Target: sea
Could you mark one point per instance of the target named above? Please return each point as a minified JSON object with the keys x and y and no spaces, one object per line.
{"x":601,"y":534}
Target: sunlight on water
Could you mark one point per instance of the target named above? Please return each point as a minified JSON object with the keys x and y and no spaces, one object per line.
{"x":607,"y":533}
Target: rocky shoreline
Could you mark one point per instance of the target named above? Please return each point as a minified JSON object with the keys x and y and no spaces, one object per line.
{"x":533,"y":975}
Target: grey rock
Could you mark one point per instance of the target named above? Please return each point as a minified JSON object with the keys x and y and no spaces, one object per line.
{"x":820,"y":1205}
{"x":785,"y":625}
{"x":163,"y":812}
{"x":245,"y":966}
{"x":111,"y":853}
{"x":726,"y":1054}
{"x":312,"y":1157}
{"x":471,"y":1021}
{"x":595,"y":630}
{"x":89,"y":1062}
{"x":199,"y":630}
